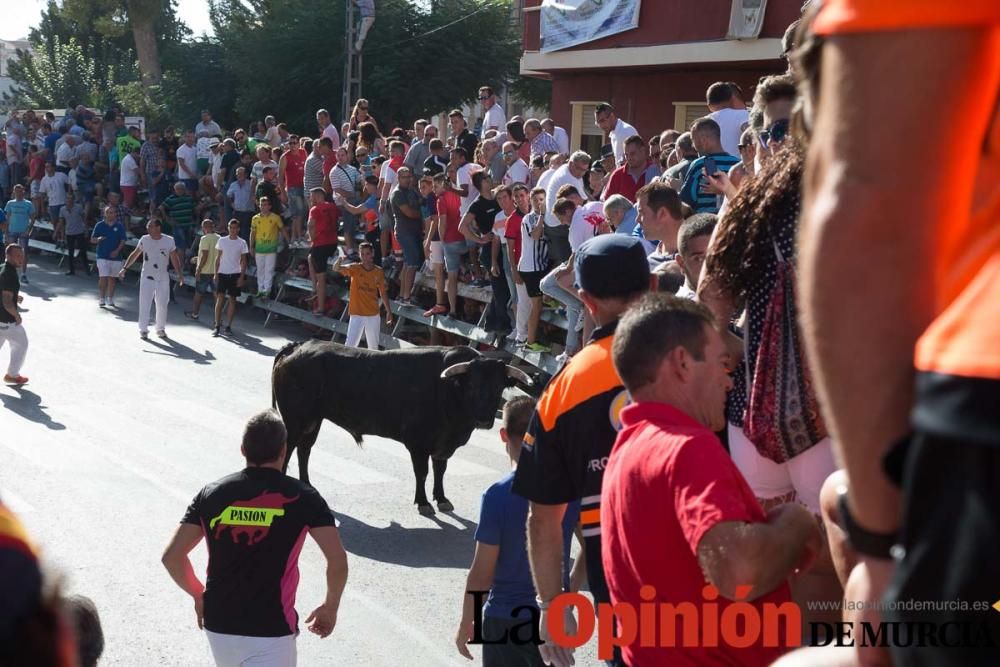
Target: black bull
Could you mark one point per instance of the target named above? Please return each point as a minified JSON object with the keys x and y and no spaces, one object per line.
{"x":428,"y":398}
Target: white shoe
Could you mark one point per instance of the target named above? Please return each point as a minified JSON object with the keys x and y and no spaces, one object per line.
{"x":101,"y":302}
{"x":110,"y":302}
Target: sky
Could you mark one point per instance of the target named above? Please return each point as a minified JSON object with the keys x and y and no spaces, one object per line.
{"x":20,"y":15}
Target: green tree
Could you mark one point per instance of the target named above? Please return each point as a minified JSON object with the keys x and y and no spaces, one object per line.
{"x":287,"y":58}
{"x":56,"y":74}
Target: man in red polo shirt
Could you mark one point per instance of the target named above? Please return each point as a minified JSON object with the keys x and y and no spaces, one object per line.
{"x":637,"y":171}
{"x":323,"y":217}
{"x":675,"y":511}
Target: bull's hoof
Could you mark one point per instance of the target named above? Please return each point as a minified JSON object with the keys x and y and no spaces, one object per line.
{"x":426,"y":510}
{"x":446,"y":506}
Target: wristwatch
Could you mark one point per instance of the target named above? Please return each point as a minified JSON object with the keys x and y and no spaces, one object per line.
{"x":865,"y":542}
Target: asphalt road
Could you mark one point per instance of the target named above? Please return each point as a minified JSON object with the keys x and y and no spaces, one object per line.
{"x":101,"y":453}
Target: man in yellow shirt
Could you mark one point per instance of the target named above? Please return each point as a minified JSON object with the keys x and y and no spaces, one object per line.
{"x":204,"y":270}
{"x":265,"y":228}
{"x":367,"y":285}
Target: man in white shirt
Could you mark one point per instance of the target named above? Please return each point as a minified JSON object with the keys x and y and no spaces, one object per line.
{"x":230,"y":274}
{"x":207,"y":127}
{"x":617,"y":129}
{"x":463,"y":179}
{"x":129,"y":179}
{"x":327,"y":128}
{"x":53,"y":186}
{"x":517,"y":170}
{"x":494,"y":117}
{"x":187,"y":163}
{"x":570,"y":173}
{"x":158,"y":252}
{"x":558,"y":133}
{"x":729,"y":112}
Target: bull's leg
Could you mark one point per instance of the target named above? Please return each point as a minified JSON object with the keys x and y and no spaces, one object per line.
{"x":444,"y":505}
{"x":420,"y":473}
{"x":304,"y":442}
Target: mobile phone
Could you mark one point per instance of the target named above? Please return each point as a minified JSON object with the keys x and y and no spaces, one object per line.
{"x":710,"y":167}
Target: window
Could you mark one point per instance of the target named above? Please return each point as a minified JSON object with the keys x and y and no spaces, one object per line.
{"x":584,"y":134}
{"x":686,"y":113}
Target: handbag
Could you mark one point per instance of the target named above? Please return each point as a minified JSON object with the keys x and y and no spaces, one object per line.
{"x":782,"y":416}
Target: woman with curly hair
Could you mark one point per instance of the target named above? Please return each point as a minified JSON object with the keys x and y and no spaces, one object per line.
{"x":776,"y":435}
{"x":372,"y":141}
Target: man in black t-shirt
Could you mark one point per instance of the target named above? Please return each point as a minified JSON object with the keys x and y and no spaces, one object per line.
{"x":10,"y":320}
{"x":477,"y":223}
{"x":254,"y":522}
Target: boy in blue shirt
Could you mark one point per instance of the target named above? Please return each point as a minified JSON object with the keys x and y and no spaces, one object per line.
{"x":109,"y":236}
{"x":500,"y":564}
{"x":20,"y":214}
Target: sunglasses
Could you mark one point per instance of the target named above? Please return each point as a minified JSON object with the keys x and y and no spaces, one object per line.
{"x":776,"y":133}
{"x":506,"y":153}
{"x":483,"y":99}
{"x":363,"y":108}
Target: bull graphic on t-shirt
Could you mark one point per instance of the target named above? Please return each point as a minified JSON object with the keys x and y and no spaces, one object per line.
{"x":251,"y":517}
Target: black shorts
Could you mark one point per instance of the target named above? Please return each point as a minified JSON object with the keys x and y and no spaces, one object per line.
{"x":320,"y":255}
{"x":228,"y":284}
{"x":532,"y":281}
{"x":950,"y":534}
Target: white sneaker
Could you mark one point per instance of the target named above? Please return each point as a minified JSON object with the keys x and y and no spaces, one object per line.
{"x":101,"y":302}
{"x":110,"y":302}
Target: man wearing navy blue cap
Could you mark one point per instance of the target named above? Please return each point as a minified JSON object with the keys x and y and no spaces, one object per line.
{"x":574,"y":427}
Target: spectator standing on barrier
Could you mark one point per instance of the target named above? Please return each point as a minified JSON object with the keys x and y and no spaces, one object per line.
{"x":158,"y":252}
{"x":323,"y":218}
{"x":670,"y":489}
{"x":53,"y":188}
{"x":521,"y":201}
{"x":11,"y":328}
{"x":433,"y":245}
{"x":241,"y":201}
{"x":265,"y":229}
{"x":204,"y":269}
{"x":542,"y":143}
{"x":531,"y":268}
{"x":558,"y":133}
{"x":477,"y":223}
{"x":230,"y":274}
{"x":291,"y":168}
{"x":20,"y":220}
{"x":574,"y":427}
{"x":367,"y":287}
{"x":388,"y":179}
{"x":346,"y":182}
{"x":130,"y":178}
{"x":109,"y":235}
{"x":178,"y":212}
{"x":76,"y":230}
{"x":494,"y":117}
{"x":461,"y":136}
{"x":187,"y":163}
{"x":606,"y":118}
{"x":437,"y":162}
{"x":405,"y":202}
{"x":247,"y":603}
{"x":500,"y":267}
{"x":419,"y":149}
{"x":449,"y":206}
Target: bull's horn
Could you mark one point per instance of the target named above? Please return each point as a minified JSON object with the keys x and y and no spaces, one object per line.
{"x":456,"y":369}
{"x":519,"y":375}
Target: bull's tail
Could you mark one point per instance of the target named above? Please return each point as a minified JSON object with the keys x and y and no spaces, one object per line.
{"x":282,"y":353}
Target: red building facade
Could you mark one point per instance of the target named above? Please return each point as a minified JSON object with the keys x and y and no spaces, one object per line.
{"x":655,"y":74}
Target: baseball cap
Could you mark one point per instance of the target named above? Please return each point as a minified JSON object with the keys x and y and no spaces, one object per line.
{"x":214,"y":141}
{"x":612,"y":265}
{"x":607,"y":150}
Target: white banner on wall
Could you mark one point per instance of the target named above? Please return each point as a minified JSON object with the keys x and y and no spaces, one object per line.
{"x":566,"y":23}
{"x":746,"y":18}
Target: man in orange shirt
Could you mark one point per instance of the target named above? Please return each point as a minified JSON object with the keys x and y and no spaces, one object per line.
{"x":367,"y":286}
{"x":905,"y":343}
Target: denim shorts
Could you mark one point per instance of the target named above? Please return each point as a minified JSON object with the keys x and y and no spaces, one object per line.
{"x":412,"y":249}
{"x":453,"y":255}
{"x":297,"y":202}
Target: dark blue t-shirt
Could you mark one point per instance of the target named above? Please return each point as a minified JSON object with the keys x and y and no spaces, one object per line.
{"x":691,"y":194}
{"x":113,"y":235}
{"x":503,"y":516}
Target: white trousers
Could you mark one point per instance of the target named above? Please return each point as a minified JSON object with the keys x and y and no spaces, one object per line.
{"x":803,"y":474}
{"x":151,"y":290}
{"x":265,"y":270}
{"x":523,"y":311}
{"x":18,"y":339}
{"x":369,"y":324}
{"x":237,"y":650}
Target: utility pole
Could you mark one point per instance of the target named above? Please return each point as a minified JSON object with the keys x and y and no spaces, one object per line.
{"x":352,"y":64}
